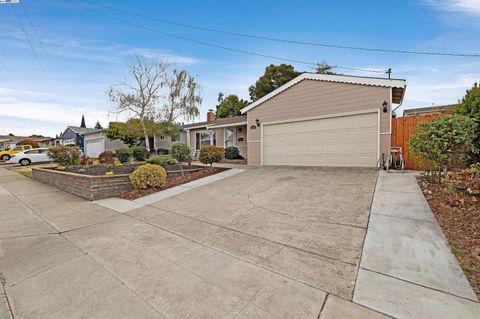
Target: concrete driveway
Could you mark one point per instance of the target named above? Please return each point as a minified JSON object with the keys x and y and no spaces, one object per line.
{"x":265,"y":243}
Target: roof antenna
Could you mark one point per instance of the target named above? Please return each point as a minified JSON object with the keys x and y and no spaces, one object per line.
{"x":389,"y":72}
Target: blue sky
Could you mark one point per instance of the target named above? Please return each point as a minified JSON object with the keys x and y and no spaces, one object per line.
{"x":83,"y":52}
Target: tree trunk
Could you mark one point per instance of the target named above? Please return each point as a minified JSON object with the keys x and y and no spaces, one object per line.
{"x":445,"y":171}
{"x":440,"y":175}
{"x":145,"y":133}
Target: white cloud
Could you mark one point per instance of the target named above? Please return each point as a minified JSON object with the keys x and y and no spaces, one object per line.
{"x":471,"y":7}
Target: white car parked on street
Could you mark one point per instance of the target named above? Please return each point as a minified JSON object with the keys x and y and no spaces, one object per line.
{"x":35,"y":155}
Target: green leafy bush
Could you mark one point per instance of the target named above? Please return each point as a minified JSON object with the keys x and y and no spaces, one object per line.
{"x":106,"y":158}
{"x":147,"y":176}
{"x":140,"y":153}
{"x":65,"y":156}
{"x":444,"y":142}
{"x":123,"y":154}
{"x":180,"y":152}
{"x":210,"y":154}
{"x":232,"y":152}
{"x":162,"y":160}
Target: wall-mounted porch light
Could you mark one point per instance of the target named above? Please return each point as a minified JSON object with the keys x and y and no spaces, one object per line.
{"x":258,"y":122}
{"x":385,"y":107}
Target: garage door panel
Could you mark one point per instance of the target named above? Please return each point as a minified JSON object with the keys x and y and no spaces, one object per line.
{"x":342,"y":141}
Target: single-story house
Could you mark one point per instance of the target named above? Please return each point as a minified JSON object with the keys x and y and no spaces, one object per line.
{"x":313,"y":120}
{"x":429,"y":110}
{"x":225,"y":132}
{"x":73,"y":135}
{"x":96,"y":142}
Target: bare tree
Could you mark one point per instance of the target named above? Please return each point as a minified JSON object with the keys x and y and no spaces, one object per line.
{"x":155,"y":83}
{"x":139,"y":99}
{"x":182,"y":96}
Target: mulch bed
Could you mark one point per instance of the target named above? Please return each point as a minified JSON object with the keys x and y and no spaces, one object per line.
{"x":172,"y":182}
{"x":100,"y":170}
{"x":458,"y":213}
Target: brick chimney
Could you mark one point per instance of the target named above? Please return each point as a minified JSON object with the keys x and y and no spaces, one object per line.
{"x":210,"y":116}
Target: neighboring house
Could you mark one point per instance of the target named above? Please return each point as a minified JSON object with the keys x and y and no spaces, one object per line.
{"x":429,"y":110}
{"x":164,"y":141}
{"x":73,"y":135}
{"x":231,"y":131}
{"x":96,"y":142}
{"x":8,"y":141}
{"x":48,"y":141}
{"x":323,"y":120}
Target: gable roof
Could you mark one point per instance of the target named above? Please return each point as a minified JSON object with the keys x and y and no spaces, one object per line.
{"x":391,"y":83}
{"x":79,"y":130}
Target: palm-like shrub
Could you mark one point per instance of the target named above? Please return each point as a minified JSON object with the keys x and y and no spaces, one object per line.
{"x":210,"y":154}
{"x":148,"y":176}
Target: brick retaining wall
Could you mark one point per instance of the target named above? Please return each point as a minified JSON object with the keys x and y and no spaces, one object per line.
{"x":88,"y":187}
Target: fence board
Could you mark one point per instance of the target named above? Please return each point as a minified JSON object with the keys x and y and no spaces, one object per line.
{"x":402,"y":129}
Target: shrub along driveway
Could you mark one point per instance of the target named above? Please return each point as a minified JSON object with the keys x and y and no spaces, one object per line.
{"x":265,"y":243}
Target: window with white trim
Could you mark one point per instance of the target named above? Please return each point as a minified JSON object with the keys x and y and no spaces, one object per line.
{"x":201,"y":139}
{"x":229,"y":137}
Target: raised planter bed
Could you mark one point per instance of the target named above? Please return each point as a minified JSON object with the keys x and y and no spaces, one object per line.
{"x":91,"y":182}
{"x":86,"y":186}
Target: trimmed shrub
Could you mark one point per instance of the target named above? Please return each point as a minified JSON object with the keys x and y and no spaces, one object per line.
{"x":180,"y":152}
{"x":210,"y":154}
{"x":140,"y":153}
{"x":123,"y":154}
{"x":65,"y":156}
{"x":106,"y":158}
{"x":162,"y":151}
{"x":32,"y":143}
{"x":147,"y":176}
{"x":163,"y":160}
{"x":86,"y":161}
{"x":444,"y":142}
{"x":232,"y":152}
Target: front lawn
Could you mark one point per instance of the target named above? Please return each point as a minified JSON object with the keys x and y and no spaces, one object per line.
{"x":455,"y":206}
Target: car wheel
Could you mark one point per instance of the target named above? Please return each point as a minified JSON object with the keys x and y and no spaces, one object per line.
{"x":25,"y":162}
{"x":5,"y":157}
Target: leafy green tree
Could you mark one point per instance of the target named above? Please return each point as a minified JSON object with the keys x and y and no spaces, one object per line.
{"x":274,"y":77}
{"x":98,"y":126}
{"x":469,"y":106}
{"x":470,"y":103}
{"x":82,"y":124}
{"x":229,"y":106}
{"x":131,"y":132}
{"x":325,"y":68}
{"x":444,"y":141}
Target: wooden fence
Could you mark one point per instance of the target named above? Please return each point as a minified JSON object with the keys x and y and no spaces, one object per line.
{"x":402,"y":128}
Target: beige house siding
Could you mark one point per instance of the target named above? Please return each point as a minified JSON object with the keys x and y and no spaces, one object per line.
{"x":311,"y":98}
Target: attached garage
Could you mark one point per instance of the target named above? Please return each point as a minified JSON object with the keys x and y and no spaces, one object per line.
{"x":94,"y":147}
{"x":351,"y":140}
{"x":323,"y":120}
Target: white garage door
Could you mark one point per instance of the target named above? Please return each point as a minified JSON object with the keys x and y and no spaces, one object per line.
{"x":93,"y":148}
{"x":337,"y":141}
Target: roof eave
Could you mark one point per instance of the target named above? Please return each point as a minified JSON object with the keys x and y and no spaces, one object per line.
{"x":397,"y":83}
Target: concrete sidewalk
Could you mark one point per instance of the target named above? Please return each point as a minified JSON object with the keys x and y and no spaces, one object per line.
{"x":407,"y":269}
